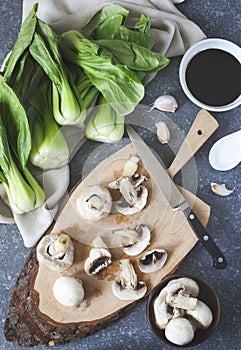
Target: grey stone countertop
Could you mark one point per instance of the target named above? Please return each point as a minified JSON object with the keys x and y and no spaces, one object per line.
{"x":217,"y":18}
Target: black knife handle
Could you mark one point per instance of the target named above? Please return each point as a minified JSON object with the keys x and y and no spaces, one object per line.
{"x":219,"y":260}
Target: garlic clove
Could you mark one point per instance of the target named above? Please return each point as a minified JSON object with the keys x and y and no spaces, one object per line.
{"x":220,"y":189}
{"x":177,"y":1}
{"x":166,"y":103}
{"x":163,"y":133}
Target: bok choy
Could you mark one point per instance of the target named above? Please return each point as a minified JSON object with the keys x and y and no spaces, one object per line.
{"x":117,"y":83}
{"x":49,"y":148}
{"x":24,"y":192}
{"x":105,"y":125}
{"x":67,"y":107}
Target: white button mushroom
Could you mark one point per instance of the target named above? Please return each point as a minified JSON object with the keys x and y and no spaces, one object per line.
{"x":179,"y":312}
{"x":56,"y":251}
{"x":179,"y":331}
{"x":94,"y":203}
{"x":68,"y":291}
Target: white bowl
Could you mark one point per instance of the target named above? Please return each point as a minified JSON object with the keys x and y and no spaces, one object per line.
{"x":212,"y":43}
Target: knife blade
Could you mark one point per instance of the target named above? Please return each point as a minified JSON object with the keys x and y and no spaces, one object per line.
{"x":175,"y":198}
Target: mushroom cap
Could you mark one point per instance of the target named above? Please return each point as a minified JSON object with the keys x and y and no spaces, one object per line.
{"x":68,"y":291}
{"x":94,"y":203}
{"x":55,"y":262}
{"x":139,"y":238}
{"x":152,"y":260}
{"x":202,"y":314}
{"x":179,"y":331}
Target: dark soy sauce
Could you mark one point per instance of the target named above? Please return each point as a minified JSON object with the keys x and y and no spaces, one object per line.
{"x":213,"y":76}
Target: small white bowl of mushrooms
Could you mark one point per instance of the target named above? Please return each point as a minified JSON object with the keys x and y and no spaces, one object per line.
{"x":183,"y":310}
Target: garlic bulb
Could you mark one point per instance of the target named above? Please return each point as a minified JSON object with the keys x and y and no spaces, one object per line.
{"x":166,"y":103}
{"x":163,"y":133}
{"x":220,"y":189}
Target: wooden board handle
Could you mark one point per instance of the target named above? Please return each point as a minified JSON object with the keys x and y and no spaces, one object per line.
{"x":202,"y":128}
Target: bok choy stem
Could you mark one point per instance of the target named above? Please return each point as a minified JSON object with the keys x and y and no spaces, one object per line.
{"x":49,"y":148}
{"x":105,"y":125}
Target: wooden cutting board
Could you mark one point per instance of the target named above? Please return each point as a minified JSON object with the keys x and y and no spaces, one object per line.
{"x":36,"y":318}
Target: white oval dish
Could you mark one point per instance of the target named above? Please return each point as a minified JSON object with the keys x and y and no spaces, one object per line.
{"x":211,"y":43}
{"x":225,"y":154}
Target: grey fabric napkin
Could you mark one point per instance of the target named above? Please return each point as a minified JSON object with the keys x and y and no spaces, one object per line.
{"x":173,"y":34}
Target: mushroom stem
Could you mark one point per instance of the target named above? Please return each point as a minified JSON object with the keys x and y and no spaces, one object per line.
{"x":128,"y":276}
{"x":59,"y":247}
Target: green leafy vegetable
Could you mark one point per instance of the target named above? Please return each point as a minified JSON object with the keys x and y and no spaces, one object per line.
{"x":134,"y":56}
{"x":49,"y":148}
{"x":24,"y":193}
{"x":105,"y":124}
{"x":66,"y":105}
{"x":105,"y":22}
{"x":117,"y":83}
{"x":22,"y":44}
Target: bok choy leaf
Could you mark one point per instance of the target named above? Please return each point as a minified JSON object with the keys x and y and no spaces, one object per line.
{"x":118,"y":84}
{"x":134,"y":56}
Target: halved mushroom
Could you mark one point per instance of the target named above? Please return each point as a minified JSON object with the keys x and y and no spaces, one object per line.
{"x":138,"y":239}
{"x":129,"y":170}
{"x":56,"y":250}
{"x":127,"y":286}
{"x":188,"y":284}
{"x":68,"y":291}
{"x":152,"y":260}
{"x":99,"y":258}
{"x":162,"y":312}
{"x":94,"y":203}
{"x":138,"y":198}
{"x":201,"y":314}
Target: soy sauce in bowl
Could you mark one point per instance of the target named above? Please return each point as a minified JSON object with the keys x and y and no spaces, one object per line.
{"x":213,"y":76}
{"x":210,"y":74}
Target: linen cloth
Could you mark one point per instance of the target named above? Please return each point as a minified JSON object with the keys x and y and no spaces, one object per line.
{"x":173,"y":34}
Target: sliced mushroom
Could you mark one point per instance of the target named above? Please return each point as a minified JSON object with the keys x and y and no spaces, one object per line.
{"x":94,"y":203}
{"x":181,"y":300}
{"x":162,"y":312}
{"x":179,"y":331}
{"x":188,"y":284}
{"x":99,"y":258}
{"x":138,"y":239}
{"x":202,"y":314}
{"x":129,"y":170}
{"x":141,"y":194}
{"x":56,"y":250}
{"x":153,"y":260}
{"x":68,"y":291}
{"x":127,"y":286}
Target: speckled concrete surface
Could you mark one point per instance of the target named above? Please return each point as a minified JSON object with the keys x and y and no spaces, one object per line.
{"x":218,"y":18}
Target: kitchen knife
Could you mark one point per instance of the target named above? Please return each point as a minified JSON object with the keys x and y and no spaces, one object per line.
{"x":175,"y":198}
